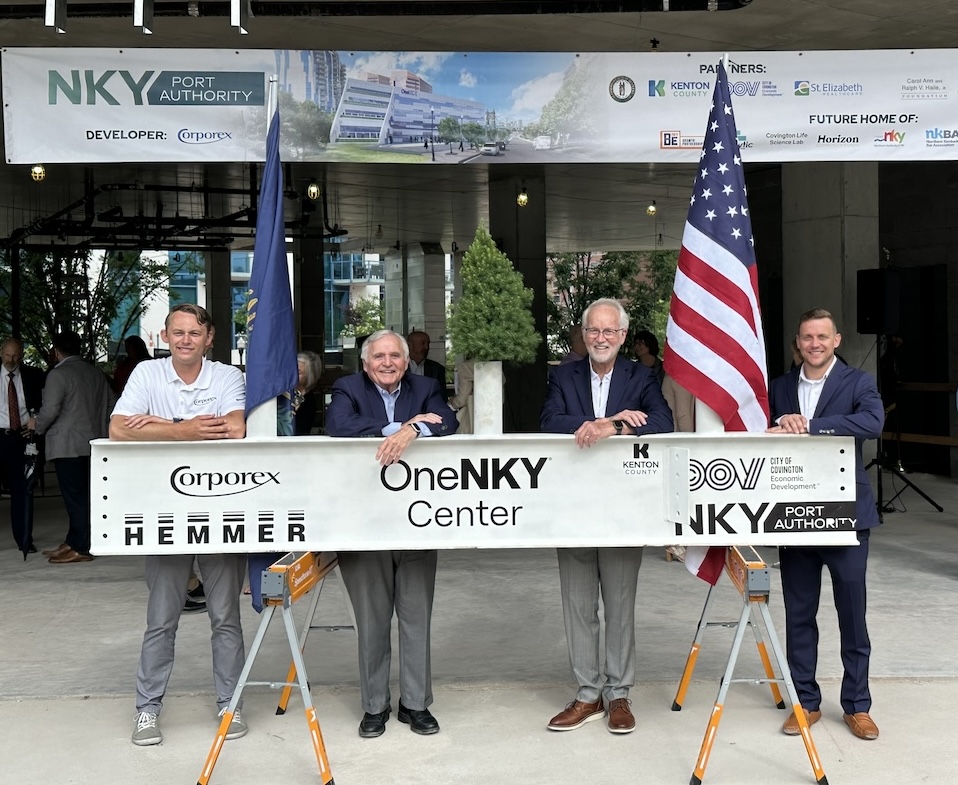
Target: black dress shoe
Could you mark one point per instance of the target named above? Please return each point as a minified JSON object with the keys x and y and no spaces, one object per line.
{"x":421,"y":722}
{"x":374,"y":725}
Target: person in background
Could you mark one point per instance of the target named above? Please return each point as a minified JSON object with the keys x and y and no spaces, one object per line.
{"x":77,"y":401}
{"x":23,"y":385}
{"x":136,"y":352}
{"x":461,"y":402}
{"x":646,"y":349}
{"x":303,"y":401}
{"x":577,"y":350}
{"x":421,"y":365}
{"x":825,"y":397}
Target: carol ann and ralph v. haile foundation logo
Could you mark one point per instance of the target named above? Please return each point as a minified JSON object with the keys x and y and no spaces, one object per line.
{"x":186,"y":481}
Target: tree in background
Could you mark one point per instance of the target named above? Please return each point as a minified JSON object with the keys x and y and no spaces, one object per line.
{"x":363,"y":317}
{"x":450,"y":131}
{"x":492,"y":320}
{"x":66,"y":291}
{"x":641,"y":280}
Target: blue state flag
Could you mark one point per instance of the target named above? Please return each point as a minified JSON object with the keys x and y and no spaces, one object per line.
{"x":271,"y":368}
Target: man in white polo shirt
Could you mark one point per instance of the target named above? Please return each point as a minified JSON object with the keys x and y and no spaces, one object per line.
{"x":185,"y":397}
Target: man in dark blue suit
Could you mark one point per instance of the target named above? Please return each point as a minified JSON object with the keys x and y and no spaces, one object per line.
{"x":383,"y":400}
{"x":22,"y":396}
{"x":823,"y":396}
{"x":594,"y":398}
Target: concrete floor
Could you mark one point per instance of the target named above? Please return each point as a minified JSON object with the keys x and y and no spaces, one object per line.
{"x":70,"y":637}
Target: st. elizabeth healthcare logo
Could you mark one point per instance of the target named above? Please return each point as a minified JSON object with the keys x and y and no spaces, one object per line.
{"x":802,"y":87}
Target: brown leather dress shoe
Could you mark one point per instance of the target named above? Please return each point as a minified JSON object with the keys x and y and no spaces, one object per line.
{"x":70,"y":556}
{"x":862,"y":725}
{"x":620,"y":716}
{"x":576,"y":714}
{"x":791,"y":726}
{"x":60,"y":549}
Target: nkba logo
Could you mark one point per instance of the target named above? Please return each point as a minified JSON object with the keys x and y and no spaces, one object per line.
{"x":187,"y":482}
{"x":721,"y":474}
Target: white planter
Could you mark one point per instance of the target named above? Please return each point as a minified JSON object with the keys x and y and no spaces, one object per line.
{"x":487,"y":399}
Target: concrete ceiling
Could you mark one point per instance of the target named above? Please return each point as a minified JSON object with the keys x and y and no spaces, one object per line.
{"x":587,"y":206}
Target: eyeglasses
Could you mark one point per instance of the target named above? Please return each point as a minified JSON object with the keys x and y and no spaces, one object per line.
{"x":595,"y":332}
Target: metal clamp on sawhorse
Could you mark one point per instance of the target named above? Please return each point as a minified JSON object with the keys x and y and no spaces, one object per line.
{"x":285,"y":582}
{"x":750,"y":575}
{"x":332,"y":566}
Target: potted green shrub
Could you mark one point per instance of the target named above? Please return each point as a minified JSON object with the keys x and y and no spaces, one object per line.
{"x":490,"y":324}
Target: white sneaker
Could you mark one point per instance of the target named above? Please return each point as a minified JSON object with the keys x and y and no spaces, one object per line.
{"x":146,"y":731}
{"x":237,"y":728}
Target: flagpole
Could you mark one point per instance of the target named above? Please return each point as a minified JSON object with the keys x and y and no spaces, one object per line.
{"x":261,"y":422}
{"x":707,"y":420}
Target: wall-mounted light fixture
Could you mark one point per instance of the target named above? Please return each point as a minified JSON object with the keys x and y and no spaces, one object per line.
{"x":239,"y":15}
{"x":455,"y":247}
{"x":379,"y":231}
{"x":143,"y":15}
{"x":55,"y":15}
{"x":522,"y":199}
{"x":651,"y":209}
{"x":38,"y":172}
{"x":312,"y":190}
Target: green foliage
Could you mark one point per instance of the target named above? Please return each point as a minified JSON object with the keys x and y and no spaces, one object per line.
{"x":492,"y":320}
{"x":574,"y":108}
{"x":474,"y":133}
{"x":363,"y":317}
{"x":642,"y":281}
{"x":62,"y":292}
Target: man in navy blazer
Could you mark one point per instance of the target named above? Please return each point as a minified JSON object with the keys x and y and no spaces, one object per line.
{"x":594,"y":398}
{"x":823,"y":396}
{"x":24,"y":384}
{"x":383,"y":400}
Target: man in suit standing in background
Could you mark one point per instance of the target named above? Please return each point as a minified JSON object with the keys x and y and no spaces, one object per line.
{"x":825,"y":397}
{"x":384,"y":400}
{"x":77,"y":402}
{"x":421,"y":365}
{"x":594,"y":398}
{"x":24,"y":390}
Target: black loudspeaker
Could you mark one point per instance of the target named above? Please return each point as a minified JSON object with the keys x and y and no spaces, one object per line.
{"x":879,"y":293}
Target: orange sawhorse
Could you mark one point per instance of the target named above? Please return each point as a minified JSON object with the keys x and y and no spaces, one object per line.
{"x":750,"y":575}
{"x":286,"y":581}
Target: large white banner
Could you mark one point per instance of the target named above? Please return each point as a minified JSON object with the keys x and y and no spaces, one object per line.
{"x":105,"y":105}
{"x":517,"y":491}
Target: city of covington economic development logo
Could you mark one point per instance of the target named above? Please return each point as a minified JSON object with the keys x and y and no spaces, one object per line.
{"x":207,"y":484}
{"x":622,"y":89}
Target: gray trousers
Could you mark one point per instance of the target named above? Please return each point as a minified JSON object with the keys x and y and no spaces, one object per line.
{"x":583,"y":573}
{"x":166,"y":578}
{"x":379,"y":582}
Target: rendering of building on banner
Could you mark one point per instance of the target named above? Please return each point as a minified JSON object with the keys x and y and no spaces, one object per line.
{"x":399,"y":108}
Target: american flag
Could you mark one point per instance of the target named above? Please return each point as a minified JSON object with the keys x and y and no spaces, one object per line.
{"x":714,"y":343}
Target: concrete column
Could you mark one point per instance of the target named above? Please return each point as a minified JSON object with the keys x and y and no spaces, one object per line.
{"x":219,"y":302}
{"x":829,"y":233}
{"x":420,"y":304}
{"x":520,"y":232}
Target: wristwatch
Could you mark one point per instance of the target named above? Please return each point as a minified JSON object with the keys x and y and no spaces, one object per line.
{"x":619,"y":425}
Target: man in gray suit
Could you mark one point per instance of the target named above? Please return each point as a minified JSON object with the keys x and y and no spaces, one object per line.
{"x":600,"y":396}
{"x":77,"y":401}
